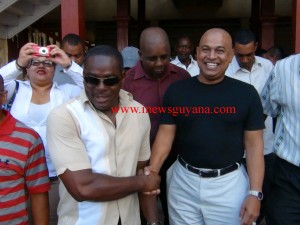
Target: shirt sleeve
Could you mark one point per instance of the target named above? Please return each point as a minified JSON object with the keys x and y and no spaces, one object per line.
{"x":36,"y":172}
{"x":10,"y":72}
{"x":76,"y":74}
{"x":145,"y":147}
{"x":255,"y":118}
{"x":66,"y":148}
{"x":269,"y":96}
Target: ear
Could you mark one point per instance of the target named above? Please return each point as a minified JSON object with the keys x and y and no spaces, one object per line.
{"x":140,"y":54}
{"x":123,"y":74}
{"x":255,"y":45}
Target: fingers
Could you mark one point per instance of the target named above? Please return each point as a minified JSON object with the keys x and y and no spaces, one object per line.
{"x":147,"y":170}
{"x":154,"y":192}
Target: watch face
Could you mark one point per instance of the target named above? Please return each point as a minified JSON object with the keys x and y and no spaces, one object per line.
{"x":260,"y":195}
{"x":257,"y":194}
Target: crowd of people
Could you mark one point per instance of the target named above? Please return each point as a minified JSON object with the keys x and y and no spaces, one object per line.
{"x":74,"y":152}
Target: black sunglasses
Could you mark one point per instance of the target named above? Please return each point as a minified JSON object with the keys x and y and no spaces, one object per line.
{"x":110,"y":81}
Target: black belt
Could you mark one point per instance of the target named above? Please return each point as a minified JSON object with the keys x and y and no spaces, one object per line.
{"x":52,"y":179}
{"x":209,"y":173}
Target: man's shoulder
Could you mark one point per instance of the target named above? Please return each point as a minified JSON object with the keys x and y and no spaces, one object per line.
{"x":264,"y":62}
{"x":288,"y":60}
{"x":238,"y":84}
{"x":62,"y":109}
{"x":26,"y":130}
{"x":178,"y":72}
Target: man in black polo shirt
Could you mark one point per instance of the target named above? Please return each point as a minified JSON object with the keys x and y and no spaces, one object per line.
{"x":217,"y":118}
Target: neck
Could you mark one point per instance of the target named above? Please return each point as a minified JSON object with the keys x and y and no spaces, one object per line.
{"x":185,"y":62}
{"x":41,"y":88}
{"x":2,"y":116}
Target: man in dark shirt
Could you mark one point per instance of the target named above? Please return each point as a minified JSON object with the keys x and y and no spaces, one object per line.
{"x":217,"y":118}
{"x":149,"y":80}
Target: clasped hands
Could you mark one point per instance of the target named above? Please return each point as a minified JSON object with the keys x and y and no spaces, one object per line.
{"x":151,"y":179}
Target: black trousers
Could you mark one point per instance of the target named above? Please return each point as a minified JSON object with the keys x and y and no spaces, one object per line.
{"x":283,"y":203}
{"x":267,"y":182}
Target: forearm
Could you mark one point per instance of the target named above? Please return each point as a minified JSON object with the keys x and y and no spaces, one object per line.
{"x":158,"y":157}
{"x":162,"y":146}
{"x":256,"y":168}
{"x":76,"y":74}
{"x":148,"y":204}
{"x":10,"y":72}
{"x":40,"y":208}
{"x":87,"y":186}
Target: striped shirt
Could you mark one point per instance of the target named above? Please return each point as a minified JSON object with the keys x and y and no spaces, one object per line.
{"x":281,"y":98}
{"x":23,"y":169}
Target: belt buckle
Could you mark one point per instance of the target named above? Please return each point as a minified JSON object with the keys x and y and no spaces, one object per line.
{"x":209,"y":173}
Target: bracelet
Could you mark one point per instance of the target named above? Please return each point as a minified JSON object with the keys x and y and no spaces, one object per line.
{"x":20,"y":68}
{"x":68,"y":66}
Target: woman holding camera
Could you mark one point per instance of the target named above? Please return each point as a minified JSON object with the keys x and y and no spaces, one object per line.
{"x":36,"y":96}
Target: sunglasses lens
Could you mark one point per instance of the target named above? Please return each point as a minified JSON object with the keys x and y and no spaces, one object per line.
{"x":111,"y":81}
{"x":106,"y":81}
{"x":91,"y":80}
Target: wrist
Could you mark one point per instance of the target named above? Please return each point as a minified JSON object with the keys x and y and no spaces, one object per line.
{"x":19,"y":67}
{"x":258,"y":194}
{"x":68,"y":66}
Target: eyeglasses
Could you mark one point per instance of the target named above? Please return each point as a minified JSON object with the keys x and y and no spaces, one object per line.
{"x":110,"y":81}
{"x":45,"y":63}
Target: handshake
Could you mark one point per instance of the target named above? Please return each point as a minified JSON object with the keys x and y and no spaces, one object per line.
{"x":150,"y":180}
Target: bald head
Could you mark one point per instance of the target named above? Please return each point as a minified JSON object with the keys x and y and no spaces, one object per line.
{"x":154,"y":52}
{"x":154,"y":36}
{"x":217,"y":33}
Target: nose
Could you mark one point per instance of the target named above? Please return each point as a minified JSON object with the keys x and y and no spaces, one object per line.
{"x":159,"y":62}
{"x":212,"y":55}
{"x":101,"y":86}
{"x":244,"y":59}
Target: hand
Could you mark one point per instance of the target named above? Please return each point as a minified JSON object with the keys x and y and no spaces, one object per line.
{"x":25,"y":54}
{"x":250,"y":210}
{"x":151,"y":181}
{"x":59,"y":56}
{"x":147,"y":171}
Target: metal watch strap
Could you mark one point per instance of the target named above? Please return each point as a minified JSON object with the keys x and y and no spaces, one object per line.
{"x":258,"y":194}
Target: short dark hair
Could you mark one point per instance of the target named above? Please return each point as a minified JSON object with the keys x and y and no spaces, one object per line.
{"x":244,"y":36}
{"x":277,"y":52}
{"x":72,"y":39}
{"x":105,"y":50}
{"x":184,"y":36}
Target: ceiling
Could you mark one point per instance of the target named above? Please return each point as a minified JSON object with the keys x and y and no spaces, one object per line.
{"x":16,"y":15}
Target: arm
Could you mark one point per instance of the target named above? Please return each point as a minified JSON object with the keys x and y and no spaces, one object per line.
{"x":70,"y":68}
{"x":84,"y":185}
{"x":148,"y":203}
{"x":253,"y":141}
{"x":162,"y":146}
{"x":10,"y":71}
{"x":63,"y":138}
{"x":269,"y":96}
{"x":40,"y":208}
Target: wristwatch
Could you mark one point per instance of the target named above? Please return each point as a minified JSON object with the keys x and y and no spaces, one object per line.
{"x":149,"y":223}
{"x":258,"y":194}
